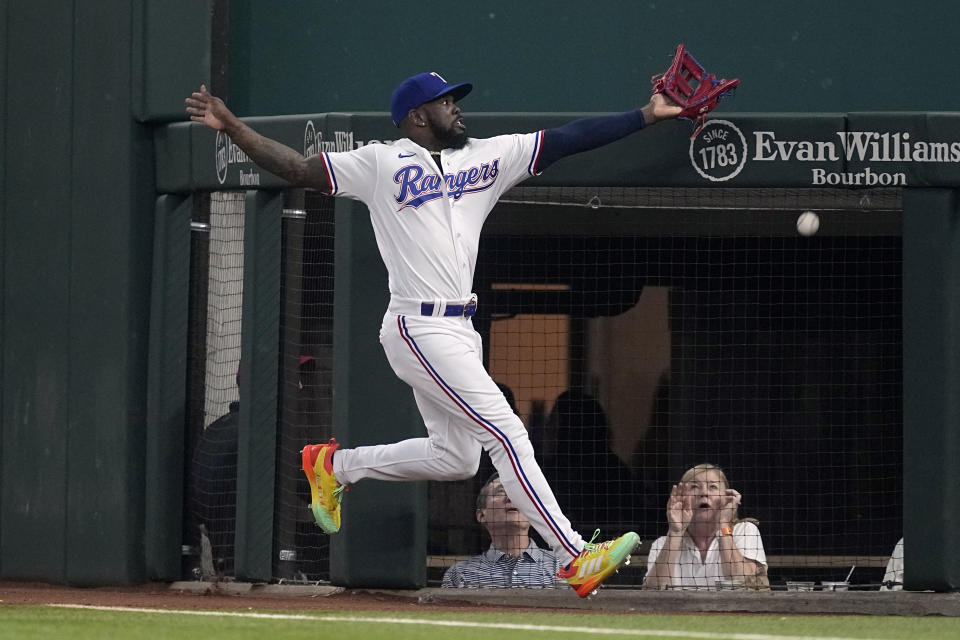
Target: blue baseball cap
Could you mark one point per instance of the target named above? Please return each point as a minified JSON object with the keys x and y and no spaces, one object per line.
{"x":421,"y":88}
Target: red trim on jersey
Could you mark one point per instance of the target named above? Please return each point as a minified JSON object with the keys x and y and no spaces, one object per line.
{"x":331,"y":181}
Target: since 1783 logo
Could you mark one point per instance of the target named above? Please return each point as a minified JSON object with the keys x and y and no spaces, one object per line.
{"x":718,"y":151}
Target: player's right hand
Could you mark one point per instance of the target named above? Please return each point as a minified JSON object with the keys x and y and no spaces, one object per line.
{"x":203,"y":106}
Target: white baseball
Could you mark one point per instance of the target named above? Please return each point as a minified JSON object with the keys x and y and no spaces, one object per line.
{"x":808,"y":223}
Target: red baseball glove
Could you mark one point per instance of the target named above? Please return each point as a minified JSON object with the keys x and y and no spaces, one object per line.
{"x":690,"y":86}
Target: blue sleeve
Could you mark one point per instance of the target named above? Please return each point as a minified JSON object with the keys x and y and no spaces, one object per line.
{"x":585,"y":134}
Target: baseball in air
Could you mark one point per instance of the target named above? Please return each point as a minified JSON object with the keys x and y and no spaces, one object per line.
{"x":808,"y":223}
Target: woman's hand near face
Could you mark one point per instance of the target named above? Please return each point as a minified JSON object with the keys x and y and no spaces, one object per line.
{"x":728,"y":512}
{"x":679,"y":512}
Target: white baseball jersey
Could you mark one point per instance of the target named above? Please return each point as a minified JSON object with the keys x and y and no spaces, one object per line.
{"x":428,"y":227}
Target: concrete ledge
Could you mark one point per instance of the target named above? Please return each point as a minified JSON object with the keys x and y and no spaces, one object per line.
{"x":252,"y":589}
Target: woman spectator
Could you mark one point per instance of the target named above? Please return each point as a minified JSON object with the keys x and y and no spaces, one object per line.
{"x":707,"y":545}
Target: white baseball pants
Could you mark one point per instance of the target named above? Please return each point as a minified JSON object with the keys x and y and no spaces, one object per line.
{"x":464,"y":412}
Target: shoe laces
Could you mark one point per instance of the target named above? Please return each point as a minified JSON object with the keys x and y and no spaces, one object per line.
{"x":591,"y":547}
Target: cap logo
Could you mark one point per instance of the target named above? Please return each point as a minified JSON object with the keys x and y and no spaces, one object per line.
{"x":437,"y":75}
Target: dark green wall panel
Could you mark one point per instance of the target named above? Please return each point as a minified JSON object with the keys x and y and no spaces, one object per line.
{"x":167,"y":388}
{"x":301,"y":57}
{"x":37,"y":258}
{"x":111,"y":231}
{"x":171,"y":55}
{"x":257,"y":428}
{"x":931,"y":374}
{"x":110,"y":265}
{"x":77,"y":235}
{"x":3,"y":214}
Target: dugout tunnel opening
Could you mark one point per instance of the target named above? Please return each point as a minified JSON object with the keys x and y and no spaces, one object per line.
{"x":732,"y":293}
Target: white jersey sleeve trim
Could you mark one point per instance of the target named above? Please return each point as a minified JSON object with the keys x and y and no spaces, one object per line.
{"x":535,"y":155}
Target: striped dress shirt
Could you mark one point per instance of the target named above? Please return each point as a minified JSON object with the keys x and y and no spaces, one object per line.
{"x":535,"y":568}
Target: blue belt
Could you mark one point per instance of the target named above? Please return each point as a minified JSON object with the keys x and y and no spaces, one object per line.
{"x":465,"y":310}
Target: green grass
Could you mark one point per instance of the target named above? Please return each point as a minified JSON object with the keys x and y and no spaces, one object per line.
{"x":26,"y":623}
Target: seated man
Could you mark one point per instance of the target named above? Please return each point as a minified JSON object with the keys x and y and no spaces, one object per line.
{"x":513,"y":559}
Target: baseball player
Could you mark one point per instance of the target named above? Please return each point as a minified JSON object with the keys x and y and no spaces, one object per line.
{"x":428,"y":194}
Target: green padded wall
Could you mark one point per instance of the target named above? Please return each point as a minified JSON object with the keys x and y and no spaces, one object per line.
{"x":931,"y":376}
{"x":171,"y":56}
{"x":77,"y":202}
{"x":3,"y":244}
{"x":167,"y":388}
{"x":109,"y":299}
{"x":36,"y":334}
{"x":257,"y":429}
{"x":383,"y":539}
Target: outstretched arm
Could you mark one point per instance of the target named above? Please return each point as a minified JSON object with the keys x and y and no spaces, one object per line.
{"x":589,"y":133}
{"x":277,"y":158}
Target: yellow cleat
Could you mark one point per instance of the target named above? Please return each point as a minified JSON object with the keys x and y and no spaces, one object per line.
{"x":325,"y":491}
